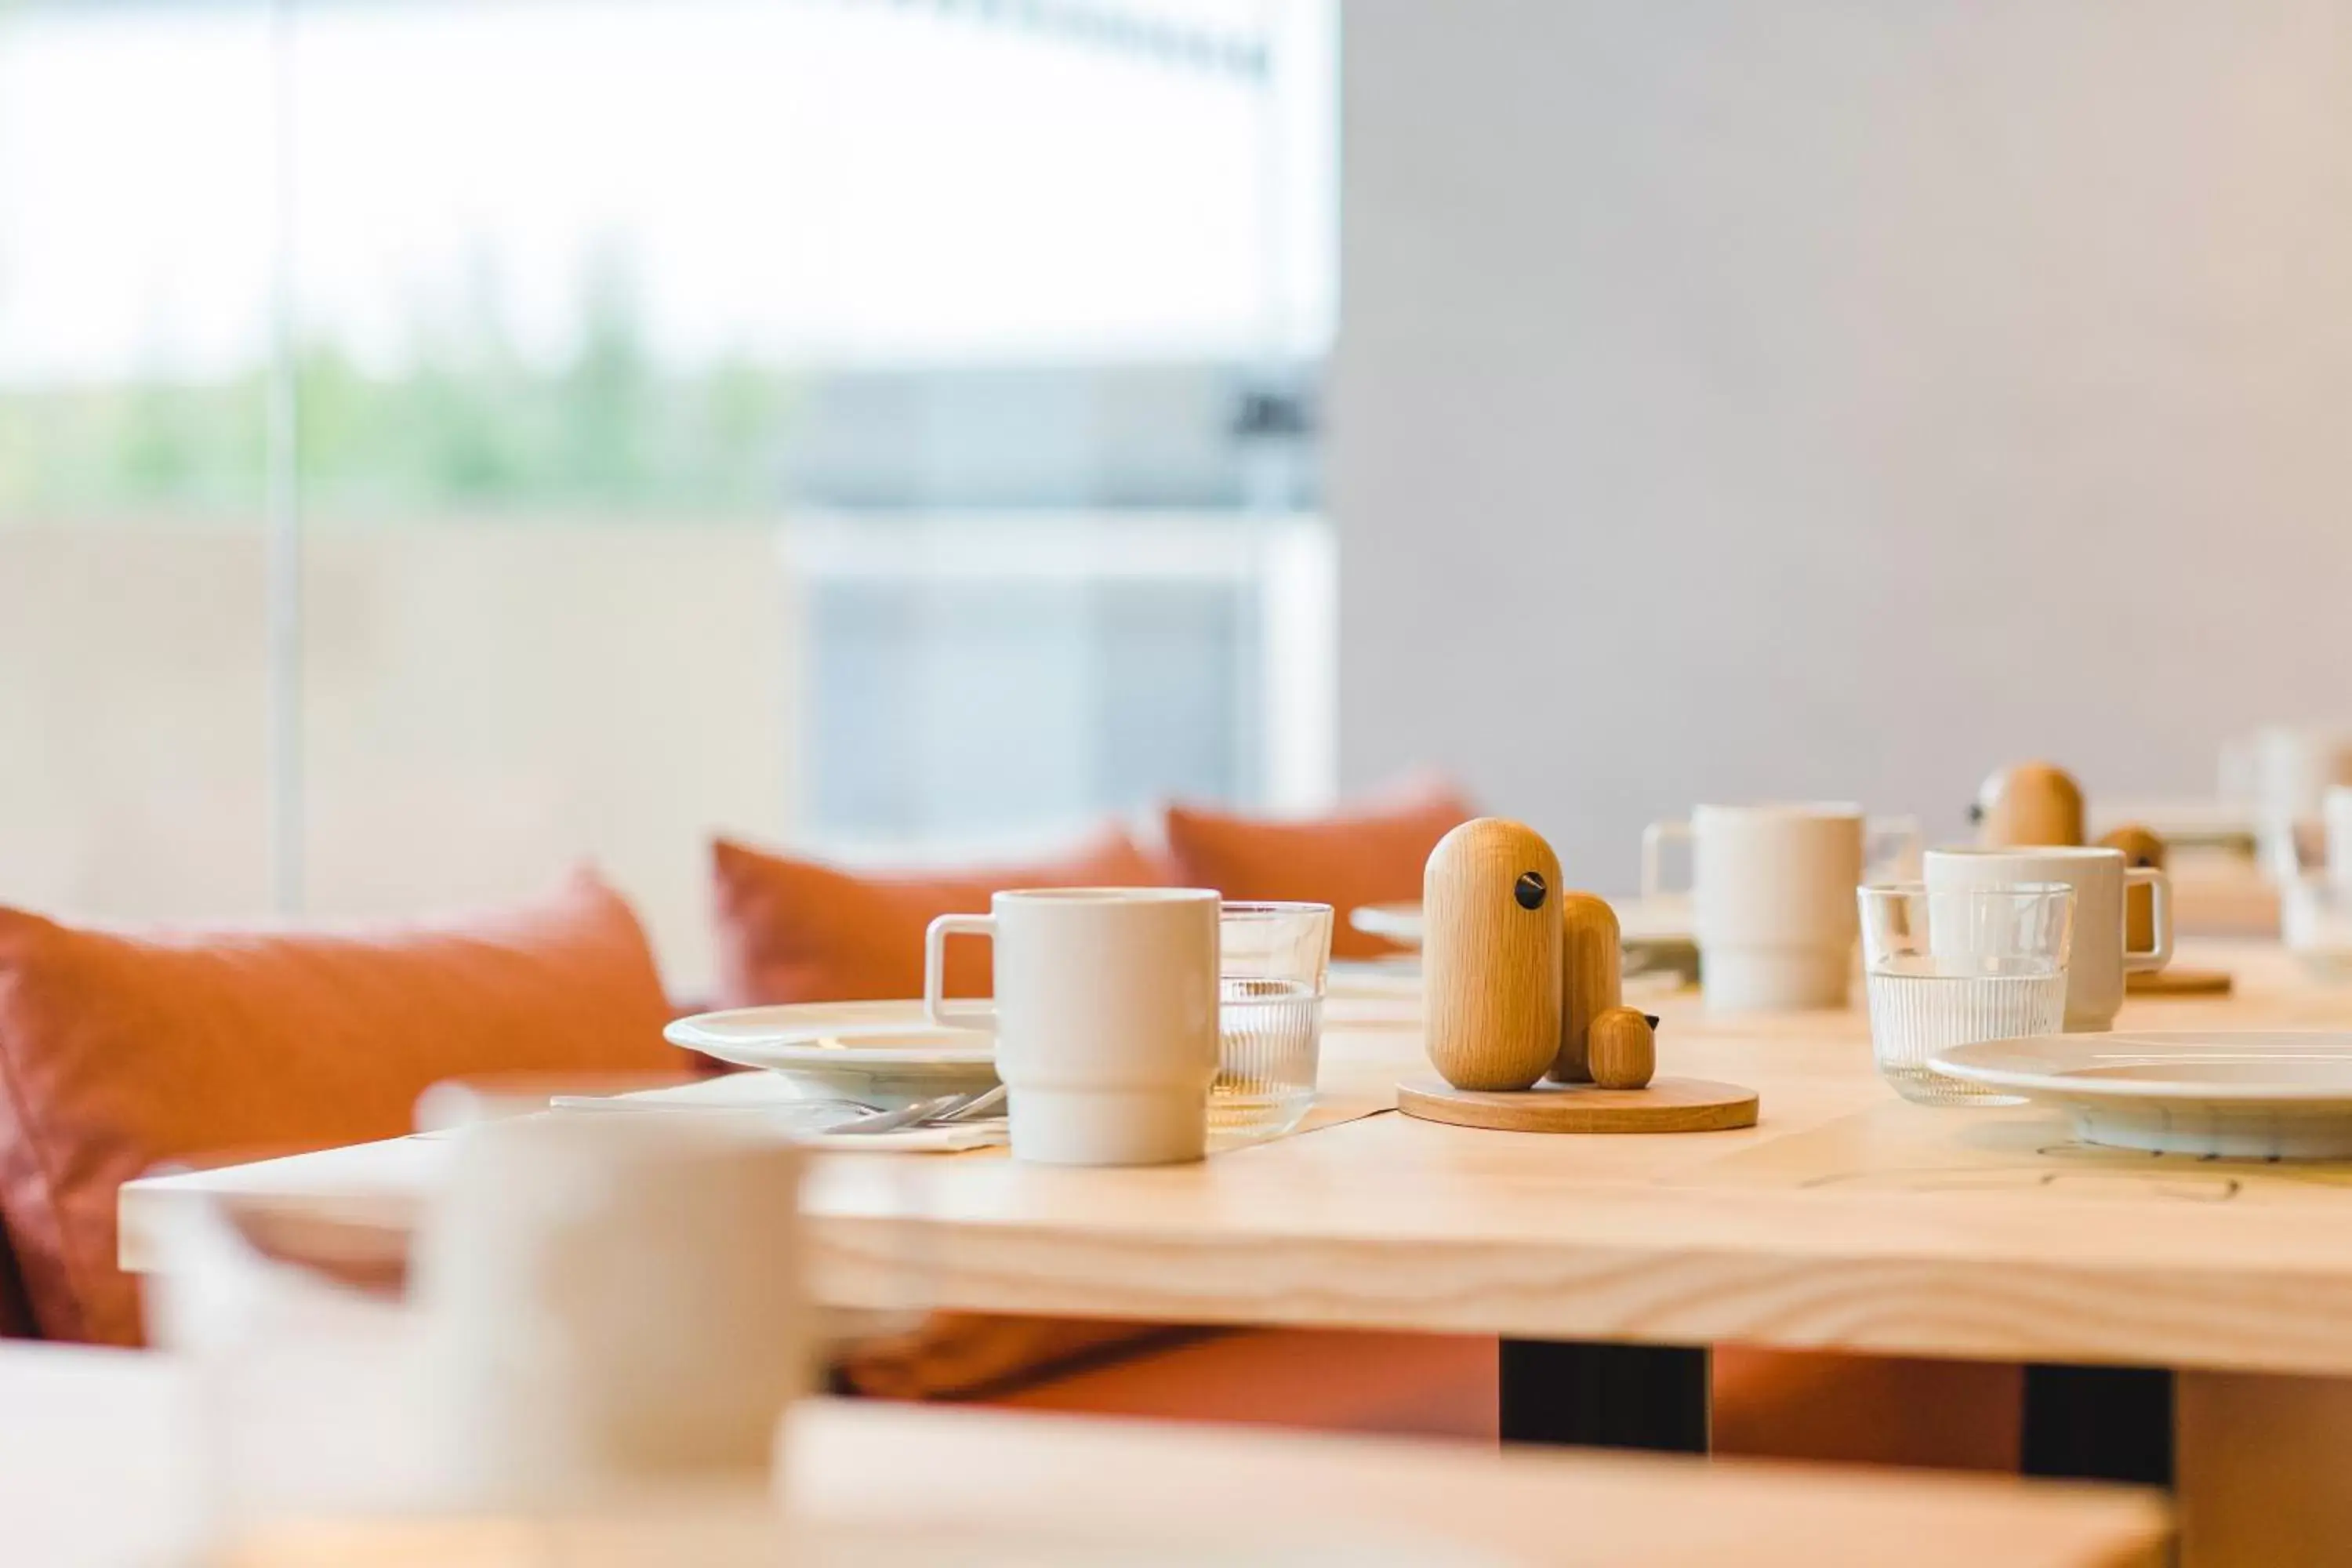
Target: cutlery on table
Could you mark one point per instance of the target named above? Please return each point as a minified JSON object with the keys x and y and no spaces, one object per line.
{"x":923,"y":1112}
{"x":987,"y":1103}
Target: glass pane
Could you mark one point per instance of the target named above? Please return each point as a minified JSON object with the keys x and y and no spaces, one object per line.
{"x":885,"y":428}
{"x":543,"y":608}
{"x":135,"y":269}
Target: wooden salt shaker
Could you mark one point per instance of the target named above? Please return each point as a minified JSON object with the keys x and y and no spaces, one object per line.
{"x":1490,"y":955}
{"x":1592,"y":978}
{"x":2141,"y":847}
{"x":2030,"y":805}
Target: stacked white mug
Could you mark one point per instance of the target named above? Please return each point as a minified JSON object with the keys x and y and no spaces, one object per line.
{"x":1106,"y":1018}
{"x":2335,"y":816}
{"x":2282,"y":773}
{"x":1772,"y":898}
{"x":2314,"y":906}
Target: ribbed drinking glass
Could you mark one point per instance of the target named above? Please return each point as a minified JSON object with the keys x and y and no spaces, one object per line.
{"x":1273,"y":958}
{"x":1950,"y":967}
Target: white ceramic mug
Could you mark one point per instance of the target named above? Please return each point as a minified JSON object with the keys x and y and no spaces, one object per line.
{"x":1772,"y":903}
{"x":2281,"y":773}
{"x":2336,"y":818}
{"x":2101,"y":957}
{"x":608,"y":1309}
{"x":1106,"y":1018}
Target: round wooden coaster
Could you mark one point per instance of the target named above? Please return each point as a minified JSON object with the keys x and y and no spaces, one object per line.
{"x":2179,"y":982}
{"x":1668,"y":1105}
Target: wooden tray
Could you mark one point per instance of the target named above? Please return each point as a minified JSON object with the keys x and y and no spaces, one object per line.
{"x":2177,"y":981}
{"x":1668,"y":1105}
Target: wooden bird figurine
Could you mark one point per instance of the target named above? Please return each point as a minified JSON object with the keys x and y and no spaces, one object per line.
{"x":2141,"y":847}
{"x":2032,"y":804}
{"x":1593,"y":963}
{"x":1624,"y":1049}
{"x":1490,"y":955}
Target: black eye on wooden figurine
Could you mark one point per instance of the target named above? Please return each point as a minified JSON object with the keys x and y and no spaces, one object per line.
{"x":1530,"y":890}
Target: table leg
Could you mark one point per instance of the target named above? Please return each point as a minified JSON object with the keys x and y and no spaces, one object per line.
{"x":1615,"y":1397}
{"x":2099,"y":1423}
{"x":2261,"y":1466}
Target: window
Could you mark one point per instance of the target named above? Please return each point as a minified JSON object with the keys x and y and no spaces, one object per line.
{"x":887,"y":429}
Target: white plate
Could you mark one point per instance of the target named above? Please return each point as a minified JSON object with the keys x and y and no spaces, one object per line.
{"x":881,"y":1053}
{"x":1399,"y":923}
{"x":2242,"y":1094}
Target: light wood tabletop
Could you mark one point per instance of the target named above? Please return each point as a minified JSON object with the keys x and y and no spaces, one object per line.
{"x":100,"y":1463}
{"x":1844,"y":1219}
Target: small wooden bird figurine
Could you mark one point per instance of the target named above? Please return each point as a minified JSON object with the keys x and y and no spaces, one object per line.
{"x":1624,"y":1049}
{"x":1520,"y":978}
{"x":1490,"y":955}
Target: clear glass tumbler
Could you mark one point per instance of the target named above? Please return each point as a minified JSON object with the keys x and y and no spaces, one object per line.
{"x":1272,"y":963}
{"x":1948,"y":967}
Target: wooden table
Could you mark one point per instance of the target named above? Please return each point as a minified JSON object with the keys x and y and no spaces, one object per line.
{"x":1846,"y":1219}
{"x":97,"y":1466}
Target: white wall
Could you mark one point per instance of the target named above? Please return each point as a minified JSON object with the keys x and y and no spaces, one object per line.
{"x":1808,"y":398}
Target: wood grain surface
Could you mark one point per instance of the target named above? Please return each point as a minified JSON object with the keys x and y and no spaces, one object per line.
{"x":1389,"y":1222}
{"x":101,"y":1463}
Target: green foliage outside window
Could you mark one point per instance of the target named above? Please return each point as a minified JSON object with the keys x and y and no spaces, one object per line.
{"x":469,"y":426}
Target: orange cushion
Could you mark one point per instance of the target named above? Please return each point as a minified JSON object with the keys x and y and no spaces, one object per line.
{"x":803,"y":930}
{"x":1785,"y":1404}
{"x":118,"y":1051}
{"x":960,"y":1355}
{"x":1888,"y":1410}
{"x":1370,"y":854}
{"x":1327,"y":1380}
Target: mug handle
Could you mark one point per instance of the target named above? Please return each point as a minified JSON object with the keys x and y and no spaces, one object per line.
{"x":1653,"y":839}
{"x":2159,"y":888}
{"x":937,"y":1008}
{"x":1905,"y":830}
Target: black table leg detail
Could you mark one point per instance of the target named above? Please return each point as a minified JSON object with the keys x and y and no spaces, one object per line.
{"x":1615,"y":1397}
{"x":2099,"y":1423}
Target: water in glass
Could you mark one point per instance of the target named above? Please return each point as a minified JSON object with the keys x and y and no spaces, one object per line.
{"x":1915,"y":1014}
{"x":1271,"y":1033}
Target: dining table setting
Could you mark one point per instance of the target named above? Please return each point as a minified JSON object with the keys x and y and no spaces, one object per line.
{"x":1922,"y":1100}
